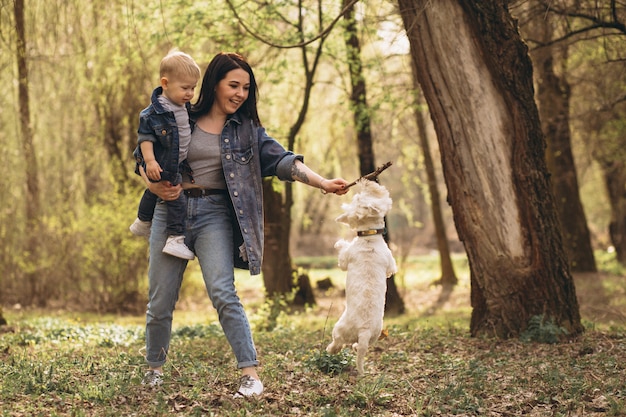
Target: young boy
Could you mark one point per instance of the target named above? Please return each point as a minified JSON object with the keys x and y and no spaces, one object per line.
{"x":163,"y":136}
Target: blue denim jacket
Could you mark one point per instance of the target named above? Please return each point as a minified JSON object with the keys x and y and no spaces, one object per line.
{"x":248,"y":154}
{"x":158,"y":126}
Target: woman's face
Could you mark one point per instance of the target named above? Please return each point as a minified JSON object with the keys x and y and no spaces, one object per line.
{"x":232,"y":91}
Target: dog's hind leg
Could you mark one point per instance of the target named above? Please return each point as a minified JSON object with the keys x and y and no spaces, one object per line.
{"x":361,"y":350}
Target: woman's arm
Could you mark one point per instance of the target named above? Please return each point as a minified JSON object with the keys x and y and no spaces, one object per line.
{"x":301,"y":172}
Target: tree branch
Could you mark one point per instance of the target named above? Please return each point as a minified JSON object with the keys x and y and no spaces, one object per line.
{"x":258,"y":37}
{"x":372,"y":175}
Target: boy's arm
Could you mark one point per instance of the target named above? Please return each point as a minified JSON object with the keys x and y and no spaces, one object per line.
{"x":153,"y":169}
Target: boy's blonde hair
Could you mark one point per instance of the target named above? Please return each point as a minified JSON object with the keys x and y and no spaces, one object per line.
{"x":179,"y":64}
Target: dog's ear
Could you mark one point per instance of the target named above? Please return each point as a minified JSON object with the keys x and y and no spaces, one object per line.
{"x":348,"y":210}
{"x":343,"y":218}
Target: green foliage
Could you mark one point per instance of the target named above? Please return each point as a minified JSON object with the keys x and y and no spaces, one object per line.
{"x":269,"y":315}
{"x":607,"y":262}
{"x":542,"y":330}
{"x":328,"y":363}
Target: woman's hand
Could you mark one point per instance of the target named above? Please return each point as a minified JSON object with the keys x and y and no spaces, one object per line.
{"x":163,"y":189}
{"x":301,"y":172}
{"x":335,"y":186}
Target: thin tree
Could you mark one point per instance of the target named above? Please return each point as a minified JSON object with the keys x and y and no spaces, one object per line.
{"x":362,"y":123}
{"x":28,"y":149}
{"x":279,"y":275}
{"x":478,"y":86}
{"x":278,"y":271}
{"x":603,"y":25}
{"x":448,"y":277}
{"x":554,"y":95}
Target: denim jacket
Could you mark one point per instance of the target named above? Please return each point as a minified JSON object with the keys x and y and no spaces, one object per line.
{"x":248,"y":154}
{"x":158,"y":126}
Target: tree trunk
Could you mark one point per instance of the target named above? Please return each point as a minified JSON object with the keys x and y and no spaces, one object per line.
{"x":277,"y":269}
{"x":554,"y":96}
{"x":362,"y":123}
{"x":615,"y":180}
{"x":478,"y":85}
{"x":30,"y":159}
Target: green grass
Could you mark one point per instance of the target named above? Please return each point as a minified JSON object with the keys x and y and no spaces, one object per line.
{"x":59,"y":367}
{"x":65,"y":364}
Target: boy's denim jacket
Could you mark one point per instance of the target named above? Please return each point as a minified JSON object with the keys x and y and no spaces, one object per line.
{"x":248,"y":154}
{"x":158,"y":126}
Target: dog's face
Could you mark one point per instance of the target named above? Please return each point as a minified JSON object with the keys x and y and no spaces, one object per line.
{"x":368,"y":206}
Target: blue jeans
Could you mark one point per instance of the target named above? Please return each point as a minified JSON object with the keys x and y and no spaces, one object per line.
{"x":209,"y":233}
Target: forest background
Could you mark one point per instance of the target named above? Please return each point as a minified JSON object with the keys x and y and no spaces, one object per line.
{"x":76,"y":73}
{"x":91,"y":66}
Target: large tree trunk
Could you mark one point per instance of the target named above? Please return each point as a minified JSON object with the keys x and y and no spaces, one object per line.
{"x":394,"y":304}
{"x":478,"y":85}
{"x":553,"y":93}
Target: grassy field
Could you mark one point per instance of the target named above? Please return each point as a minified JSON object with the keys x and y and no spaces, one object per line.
{"x":66,"y":364}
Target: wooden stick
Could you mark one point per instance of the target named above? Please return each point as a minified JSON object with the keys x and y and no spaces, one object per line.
{"x":371,"y":175}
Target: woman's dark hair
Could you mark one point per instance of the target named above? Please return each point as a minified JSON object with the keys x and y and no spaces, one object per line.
{"x":219,"y":66}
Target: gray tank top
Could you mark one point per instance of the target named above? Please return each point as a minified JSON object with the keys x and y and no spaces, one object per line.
{"x":205,"y":159}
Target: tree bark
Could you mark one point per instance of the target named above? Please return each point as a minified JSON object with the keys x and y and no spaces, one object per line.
{"x":277,"y":267}
{"x":478,"y":85}
{"x":362,"y":124}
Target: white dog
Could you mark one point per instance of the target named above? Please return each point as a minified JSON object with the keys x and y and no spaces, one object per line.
{"x":369,"y":263}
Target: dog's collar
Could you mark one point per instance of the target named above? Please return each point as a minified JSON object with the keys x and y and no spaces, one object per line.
{"x":370,"y":232}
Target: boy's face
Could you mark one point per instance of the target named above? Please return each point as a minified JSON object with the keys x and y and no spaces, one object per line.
{"x":179,"y":90}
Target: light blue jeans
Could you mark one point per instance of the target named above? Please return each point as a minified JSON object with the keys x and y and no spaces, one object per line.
{"x":209,"y":233}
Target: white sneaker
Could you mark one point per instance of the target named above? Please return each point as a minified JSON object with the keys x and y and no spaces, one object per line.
{"x":152,"y":378}
{"x":175,"y":246}
{"x":249,"y":387}
{"x":140,"y":228}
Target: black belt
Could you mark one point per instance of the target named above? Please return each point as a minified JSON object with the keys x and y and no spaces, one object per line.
{"x":202,"y":192}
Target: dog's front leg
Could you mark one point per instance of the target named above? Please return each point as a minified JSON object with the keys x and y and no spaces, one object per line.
{"x":343,"y":258}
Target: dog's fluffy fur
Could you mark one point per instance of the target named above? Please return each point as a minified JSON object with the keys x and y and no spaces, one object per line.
{"x":369,"y":263}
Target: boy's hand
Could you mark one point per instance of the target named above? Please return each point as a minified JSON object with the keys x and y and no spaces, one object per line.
{"x":153,"y":170}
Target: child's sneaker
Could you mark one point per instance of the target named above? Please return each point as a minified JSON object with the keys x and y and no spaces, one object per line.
{"x":175,"y":246}
{"x":140,"y":228}
{"x":152,"y":378}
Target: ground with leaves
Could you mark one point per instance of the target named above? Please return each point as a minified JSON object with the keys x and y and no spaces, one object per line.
{"x":74,"y":365}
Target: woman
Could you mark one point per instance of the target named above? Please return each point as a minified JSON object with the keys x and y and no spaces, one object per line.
{"x":229,"y":154}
